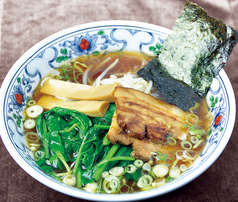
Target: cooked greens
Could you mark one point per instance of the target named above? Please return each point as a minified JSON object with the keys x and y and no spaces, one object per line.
{"x":193,"y":54}
{"x":73,"y":142}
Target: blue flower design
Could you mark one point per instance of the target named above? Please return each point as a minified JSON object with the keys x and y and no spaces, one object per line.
{"x":27,"y":83}
{"x":107,"y":42}
{"x":84,"y":44}
{"x":18,"y":98}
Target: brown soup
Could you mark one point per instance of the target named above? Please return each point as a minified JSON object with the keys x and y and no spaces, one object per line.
{"x":181,"y":154}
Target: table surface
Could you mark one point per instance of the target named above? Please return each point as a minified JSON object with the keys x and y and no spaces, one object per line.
{"x":23,"y":23}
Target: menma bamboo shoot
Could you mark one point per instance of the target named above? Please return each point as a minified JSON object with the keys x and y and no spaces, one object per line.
{"x":90,"y":108}
{"x":75,"y":91}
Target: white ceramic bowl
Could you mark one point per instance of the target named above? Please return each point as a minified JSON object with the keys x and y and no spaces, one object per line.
{"x":46,"y":55}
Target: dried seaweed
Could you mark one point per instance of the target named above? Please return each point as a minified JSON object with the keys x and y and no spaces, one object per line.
{"x":170,"y":90}
{"x":193,"y":54}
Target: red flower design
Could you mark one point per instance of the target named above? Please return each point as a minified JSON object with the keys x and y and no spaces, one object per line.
{"x":218,"y":119}
{"x":84,"y":45}
{"x":18,"y":98}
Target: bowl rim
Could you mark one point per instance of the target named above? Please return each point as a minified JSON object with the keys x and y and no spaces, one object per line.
{"x":105,"y":197}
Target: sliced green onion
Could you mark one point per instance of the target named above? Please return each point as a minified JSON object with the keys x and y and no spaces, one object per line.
{"x":146,"y":167}
{"x":138,"y":163}
{"x":105,"y":174}
{"x":145,"y":181}
{"x":183,"y":167}
{"x":179,"y":154}
{"x":175,"y":163}
{"x":32,"y":137}
{"x":171,"y":141}
{"x":131,"y":169}
{"x":117,"y":171}
{"x":198,"y":136}
{"x":195,"y":106}
{"x":158,"y":182}
{"x":91,"y":187}
{"x":34,"y":146}
{"x":190,"y":154}
{"x":186,"y":144}
{"x":196,"y":131}
{"x":123,"y":180}
{"x":39,"y":155}
{"x":174,"y":172}
{"x":111,"y":184}
{"x":29,"y":123}
{"x":69,"y":180}
{"x":194,"y":139}
{"x":152,"y":174}
{"x":160,"y":170}
{"x":192,"y":119}
{"x":198,"y":143}
{"x":169,"y":161}
{"x":34,"y":111}
{"x":146,"y":188}
{"x":169,"y":179}
{"x":129,"y":189}
{"x":31,"y":103}
{"x":151,"y":162}
{"x":161,"y":157}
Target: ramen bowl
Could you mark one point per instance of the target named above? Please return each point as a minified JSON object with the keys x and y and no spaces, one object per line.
{"x":105,"y":36}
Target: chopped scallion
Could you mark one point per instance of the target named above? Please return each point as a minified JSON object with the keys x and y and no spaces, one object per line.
{"x":186,"y":144}
{"x":138,"y":163}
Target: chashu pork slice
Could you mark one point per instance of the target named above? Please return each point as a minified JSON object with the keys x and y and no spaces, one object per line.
{"x":142,"y":116}
{"x":115,"y":133}
{"x":143,"y":149}
{"x":144,"y":122}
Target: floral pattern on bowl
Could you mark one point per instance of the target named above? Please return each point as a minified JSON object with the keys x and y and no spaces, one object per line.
{"x":92,"y":39}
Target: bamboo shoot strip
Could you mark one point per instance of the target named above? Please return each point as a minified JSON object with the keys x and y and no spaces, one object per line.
{"x":76,"y":91}
{"x":89,"y":108}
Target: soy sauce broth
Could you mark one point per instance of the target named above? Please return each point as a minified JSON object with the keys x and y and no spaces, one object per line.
{"x":130,"y":61}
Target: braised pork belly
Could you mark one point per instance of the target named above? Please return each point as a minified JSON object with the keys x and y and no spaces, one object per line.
{"x":145,"y":122}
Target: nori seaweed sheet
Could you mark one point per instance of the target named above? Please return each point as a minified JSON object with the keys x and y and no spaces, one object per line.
{"x":170,"y":90}
{"x":193,"y":54}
